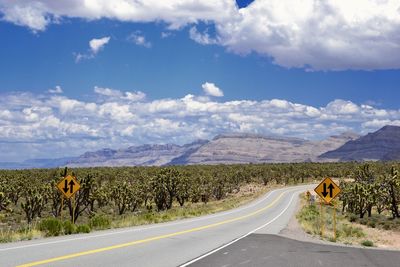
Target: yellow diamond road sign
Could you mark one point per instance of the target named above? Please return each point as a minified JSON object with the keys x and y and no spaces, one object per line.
{"x":327,"y":190}
{"x":68,"y":186}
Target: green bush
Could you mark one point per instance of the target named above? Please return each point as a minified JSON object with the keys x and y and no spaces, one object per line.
{"x":387,"y":226}
{"x":149,"y":216}
{"x":309,"y":213}
{"x":100,"y":222}
{"x":51,"y":227}
{"x":332,"y":239}
{"x":350,"y":231}
{"x":83,"y":228}
{"x":367,"y":243}
{"x":371,"y":224}
{"x":69,"y":228}
{"x":353,"y":217}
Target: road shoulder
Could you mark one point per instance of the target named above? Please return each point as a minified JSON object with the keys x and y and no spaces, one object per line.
{"x":293,"y":230}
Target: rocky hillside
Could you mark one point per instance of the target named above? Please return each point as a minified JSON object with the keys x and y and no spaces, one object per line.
{"x":383,"y":144}
{"x":145,"y":155}
{"x":223,"y":149}
{"x":246,"y":148}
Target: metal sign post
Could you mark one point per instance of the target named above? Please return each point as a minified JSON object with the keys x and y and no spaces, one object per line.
{"x":322,"y":218}
{"x":334,"y":220}
{"x":328,"y":190}
{"x":68,"y":187}
{"x":62,"y":207}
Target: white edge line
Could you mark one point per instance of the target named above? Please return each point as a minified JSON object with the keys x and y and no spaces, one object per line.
{"x":239,"y":238}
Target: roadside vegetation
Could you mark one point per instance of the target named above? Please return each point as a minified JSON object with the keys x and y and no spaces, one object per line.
{"x":369,"y":200}
{"x":309,"y":218}
{"x":372,"y":197}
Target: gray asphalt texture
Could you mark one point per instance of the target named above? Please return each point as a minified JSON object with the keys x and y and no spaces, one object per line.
{"x":277,"y":251}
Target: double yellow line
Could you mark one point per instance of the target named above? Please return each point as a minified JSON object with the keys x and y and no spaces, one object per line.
{"x":137,"y":242}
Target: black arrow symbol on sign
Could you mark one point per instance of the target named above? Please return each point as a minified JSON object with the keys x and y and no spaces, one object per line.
{"x":331,"y":187}
{"x":65,"y":189}
{"x":71,"y":184}
{"x":324,"y":193}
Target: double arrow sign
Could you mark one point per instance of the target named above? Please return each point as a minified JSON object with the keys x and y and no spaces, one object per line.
{"x":330,"y":187}
{"x":327,"y":190}
{"x":71,"y":186}
{"x":68,"y":186}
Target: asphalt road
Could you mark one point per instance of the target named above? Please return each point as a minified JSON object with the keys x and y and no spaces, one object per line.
{"x":277,"y":251}
{"x":166,"y":244}
{"x":245,"y":236}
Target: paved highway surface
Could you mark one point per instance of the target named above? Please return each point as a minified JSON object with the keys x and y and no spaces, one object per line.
{"x":277,"y":251}
{"x":198,"y":241}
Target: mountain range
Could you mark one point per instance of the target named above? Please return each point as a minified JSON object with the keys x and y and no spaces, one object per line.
{"x":383,"y":144}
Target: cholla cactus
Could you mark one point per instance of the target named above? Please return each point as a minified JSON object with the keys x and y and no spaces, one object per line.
{"x":82,"y":198}
{"x":4,"y":201}
{"x":34,"y":201}
{"x":121,"y":194}
{"x":394,"y":192}
{"x":164,"y":185}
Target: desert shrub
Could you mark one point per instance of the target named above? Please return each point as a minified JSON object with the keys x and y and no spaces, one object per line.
{"x":309,"y":213}
{"x":364,"y":221}
{"x":353,"y":217}
{"x":351,"y":231}
{"x":371,"y":224}
{"x":51,"y":227}
{"x":69,"y":228}
{"x":100,"y":222}
{"x":83,"y":228}
{"x":387,"y":226}
{"x":367,"y":243}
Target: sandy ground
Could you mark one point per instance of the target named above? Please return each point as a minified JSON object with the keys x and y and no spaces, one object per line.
{"x":381,"y":238}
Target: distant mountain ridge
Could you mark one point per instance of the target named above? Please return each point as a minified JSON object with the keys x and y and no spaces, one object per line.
{"x":383,"y":144}
{"x":232,"y":148}
{"x":143,"y":155}
{"x":251,"y":148}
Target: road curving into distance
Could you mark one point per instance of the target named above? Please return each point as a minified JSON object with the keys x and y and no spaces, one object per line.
{"x":175,"y":243}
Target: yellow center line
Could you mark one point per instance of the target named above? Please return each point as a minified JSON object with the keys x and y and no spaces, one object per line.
{"x":93,"y":251}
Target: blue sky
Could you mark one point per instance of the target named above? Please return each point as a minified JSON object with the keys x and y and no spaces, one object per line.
{"x":172,"y":67}
{"x":187,"y":66}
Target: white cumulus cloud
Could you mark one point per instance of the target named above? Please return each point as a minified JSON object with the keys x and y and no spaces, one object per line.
{"x":50,"y":124}
{"x":309,"y":34}
{"x":202,"y":38}
{"x":30,"y":14}
{"x":119,"y":95}
{"x":318,"y":34}
{"x":139,"y":39}
{"x":211,"y":89}
{"x":56,"y":90}
{"x":97,"y":44}
{"x":107,"y":91}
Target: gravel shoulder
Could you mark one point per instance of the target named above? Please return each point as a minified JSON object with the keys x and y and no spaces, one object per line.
{"x":294,"y":231}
